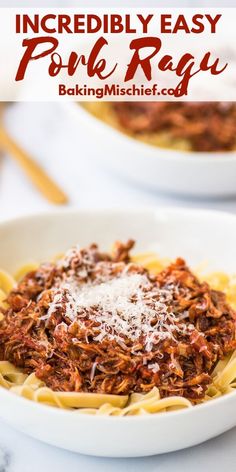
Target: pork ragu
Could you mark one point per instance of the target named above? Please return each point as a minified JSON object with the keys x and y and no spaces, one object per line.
{"x":95,"y":322}
{"x":206,"y":126}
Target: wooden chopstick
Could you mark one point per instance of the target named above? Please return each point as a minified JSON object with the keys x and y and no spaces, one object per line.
{"x":34,"y":171}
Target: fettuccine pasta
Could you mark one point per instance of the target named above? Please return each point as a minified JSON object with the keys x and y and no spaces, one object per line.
{"x":31,"y":387}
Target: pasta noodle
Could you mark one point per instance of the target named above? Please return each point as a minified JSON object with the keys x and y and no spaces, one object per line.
{"x":163,"y":139}
{"x":32,"y":388}
{"x":24,"y":270}
{"x":170,"y":125}
{"x":7,"y":282}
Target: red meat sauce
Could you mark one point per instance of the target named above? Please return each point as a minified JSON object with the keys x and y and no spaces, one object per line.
{"x":96,"y":322}
{"x":206,"y":126}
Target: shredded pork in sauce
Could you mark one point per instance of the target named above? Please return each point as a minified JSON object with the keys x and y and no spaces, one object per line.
{"x":207,"y":126}
{"x":94,"y":322}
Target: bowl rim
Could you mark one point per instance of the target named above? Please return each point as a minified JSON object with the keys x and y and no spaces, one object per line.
{"x":210,"y":158}
{"x":167,"y":211}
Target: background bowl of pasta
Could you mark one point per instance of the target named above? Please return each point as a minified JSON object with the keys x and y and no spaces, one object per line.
{"x":155,"y":163}
{"x":206,"y":240}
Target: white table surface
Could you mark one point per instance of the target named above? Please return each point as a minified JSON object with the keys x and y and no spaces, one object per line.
{"x":48,"y":132}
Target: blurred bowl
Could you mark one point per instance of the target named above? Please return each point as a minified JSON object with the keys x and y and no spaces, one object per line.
{"x":186,"y":173}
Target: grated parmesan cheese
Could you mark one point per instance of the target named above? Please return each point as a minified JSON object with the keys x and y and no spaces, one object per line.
{"x":128,"y":306}
{"x":154,"y":367}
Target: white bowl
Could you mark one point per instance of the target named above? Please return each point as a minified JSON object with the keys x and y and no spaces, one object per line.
{"x":196,"y":235}
{"x":178,"y":172}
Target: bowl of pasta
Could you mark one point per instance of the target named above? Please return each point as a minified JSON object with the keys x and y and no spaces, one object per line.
{"x":181,"y":148}
{"x":118,"y":328}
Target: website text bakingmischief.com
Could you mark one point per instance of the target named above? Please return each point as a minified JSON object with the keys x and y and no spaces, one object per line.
{"x":115,"y":90}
